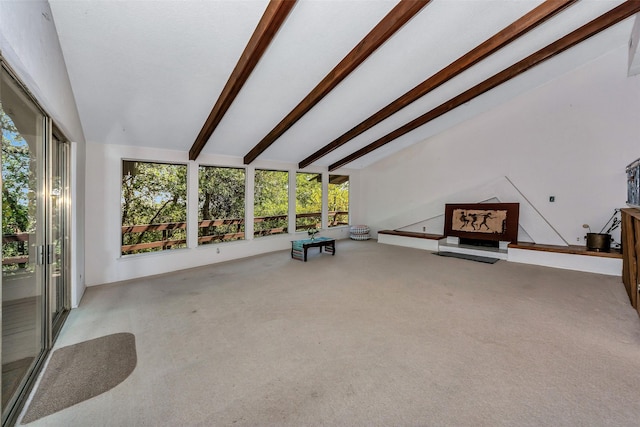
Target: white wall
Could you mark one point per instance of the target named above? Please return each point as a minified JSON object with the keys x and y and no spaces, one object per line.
{"x":29,"y":44}
{"x":570,"y":138}
{"x":104,"y":262}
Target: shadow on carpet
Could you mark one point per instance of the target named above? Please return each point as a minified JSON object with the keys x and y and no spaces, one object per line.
{"x":81,"y":371}
{"x":477,"y":258}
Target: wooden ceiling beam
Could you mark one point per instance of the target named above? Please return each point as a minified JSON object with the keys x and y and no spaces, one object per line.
{"x":510,"y":33}
{"x":615,"y":15}
{"x":271,"y":21}
{"x":391,"y":23}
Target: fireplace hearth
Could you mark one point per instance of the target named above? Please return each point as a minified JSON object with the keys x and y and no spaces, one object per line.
{"x":482,"y":229}
{"x":479,"y":243}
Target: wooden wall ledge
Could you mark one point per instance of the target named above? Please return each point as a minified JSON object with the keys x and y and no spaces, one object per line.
{"x":571,"y":249}
{"x":412,"y":234}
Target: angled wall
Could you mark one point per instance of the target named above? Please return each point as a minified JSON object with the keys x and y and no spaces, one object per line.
{"x":570,"y":138}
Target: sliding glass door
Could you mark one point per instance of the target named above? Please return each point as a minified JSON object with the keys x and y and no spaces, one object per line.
{"x":35,"y":200}
{"x":58,"y":234}
{"x":23,"y":308}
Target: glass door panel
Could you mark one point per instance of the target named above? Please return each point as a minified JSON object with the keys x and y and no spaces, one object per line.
{"x":23,"y":307}
{"x":58,"y":239}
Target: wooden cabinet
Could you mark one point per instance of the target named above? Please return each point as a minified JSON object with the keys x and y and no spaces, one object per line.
{"x":631,"y":254}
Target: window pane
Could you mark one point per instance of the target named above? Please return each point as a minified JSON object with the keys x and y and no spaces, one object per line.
{"x":22,"y":136}
{"x":308,"y":201}
{"x":338,"y":200}
{"x":220,"y":204}
{"x":271,"y":202}
{"x":154,"y":206}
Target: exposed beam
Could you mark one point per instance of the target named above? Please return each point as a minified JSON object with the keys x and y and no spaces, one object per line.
{"x":273,"y":17}
{"x":597,"y":25}
{"x":391,"y":23}
{"x":510,"y":33}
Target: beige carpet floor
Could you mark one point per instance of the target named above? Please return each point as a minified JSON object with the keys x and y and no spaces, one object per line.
{"x":377,"y":335}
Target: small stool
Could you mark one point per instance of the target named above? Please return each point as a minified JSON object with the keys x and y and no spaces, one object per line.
{"x":359,"y":232}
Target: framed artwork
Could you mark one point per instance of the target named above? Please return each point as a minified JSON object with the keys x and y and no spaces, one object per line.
{"x":482,"y":221}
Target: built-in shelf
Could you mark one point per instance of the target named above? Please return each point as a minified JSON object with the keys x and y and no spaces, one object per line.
{"x":412,"y":234}
{"x":571,"y":249}
{"x":473,"y":250}
{"x":567,"y":257}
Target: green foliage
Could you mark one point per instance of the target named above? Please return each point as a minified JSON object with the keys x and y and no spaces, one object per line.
{"x":339,"y":197}
{"x":271,"y":198}
{"x":153,"y":193}
{"x":338,"y":200}
{"x":18,"y":190}
{"x":15,"y":179}
{"x":308,"y":200}
{"x":221,"y":195}
{"x":221,"y":192}
{"x":271,"y":193}
{"x":308,"y":192}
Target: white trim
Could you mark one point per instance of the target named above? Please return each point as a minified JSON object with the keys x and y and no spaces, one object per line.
{"x":192,"y":204}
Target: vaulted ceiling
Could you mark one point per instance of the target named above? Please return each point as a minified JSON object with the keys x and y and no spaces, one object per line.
{"x":149,"y":73}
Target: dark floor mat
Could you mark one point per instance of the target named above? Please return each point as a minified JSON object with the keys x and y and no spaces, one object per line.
{"x":81,"y":371}
{"x":477,"y":258}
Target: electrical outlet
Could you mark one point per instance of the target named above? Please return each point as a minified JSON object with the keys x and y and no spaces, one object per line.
{"x":424,"y":229}
{"x":577,"y":239}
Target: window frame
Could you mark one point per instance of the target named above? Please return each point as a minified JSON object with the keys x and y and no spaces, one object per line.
{"x":244,"y":203}
{"x":287,"y":214}
{"x":186,"y":239}
{"x":320,"y":212}
{"x":348,"y":211}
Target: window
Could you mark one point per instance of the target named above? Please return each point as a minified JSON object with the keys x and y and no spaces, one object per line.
{"x":271,"y":202}
{"x":21,"y":149}
{"x":308,"y":201}
{"x":220,"y":204}
{"x":338,"y":200}
{"x":154,"y":206}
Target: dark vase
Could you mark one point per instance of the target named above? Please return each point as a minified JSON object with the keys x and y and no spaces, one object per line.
{"x":598,"y":242}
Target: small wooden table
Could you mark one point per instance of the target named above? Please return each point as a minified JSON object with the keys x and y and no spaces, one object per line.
{"x":299,"y":247}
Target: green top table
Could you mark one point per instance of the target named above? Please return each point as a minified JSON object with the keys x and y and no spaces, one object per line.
{"x":299,"y":247}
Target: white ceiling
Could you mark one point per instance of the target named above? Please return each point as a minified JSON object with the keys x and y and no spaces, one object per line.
{"x":147,"y":73}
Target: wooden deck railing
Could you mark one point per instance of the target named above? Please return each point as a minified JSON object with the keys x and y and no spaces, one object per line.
{"x":167,"y":229}
{"x":22,"y":239}
{"x":22,"y":248}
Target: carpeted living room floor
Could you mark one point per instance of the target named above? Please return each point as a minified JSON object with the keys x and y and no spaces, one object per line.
{"x":375,"y":335}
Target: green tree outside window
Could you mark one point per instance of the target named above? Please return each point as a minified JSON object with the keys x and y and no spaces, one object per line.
{"x":154,"y":206}
{"x":221,"y":204}
{"x":271,"y":202}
